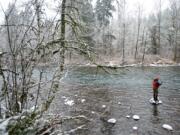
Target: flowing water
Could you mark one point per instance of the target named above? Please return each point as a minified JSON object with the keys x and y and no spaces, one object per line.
{"x":99,"y":96}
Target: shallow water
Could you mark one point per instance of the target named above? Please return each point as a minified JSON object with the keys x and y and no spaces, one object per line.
{"x":126,"y":91}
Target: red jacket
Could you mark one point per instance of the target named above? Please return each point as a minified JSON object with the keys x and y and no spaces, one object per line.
{"x":155,"y":84}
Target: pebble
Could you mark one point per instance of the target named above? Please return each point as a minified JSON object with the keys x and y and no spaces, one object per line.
{"x":136,"y":117}
{"x":103,"y":106}
{"x":112,"y":121}
{"x":119,"y":103}
{"x":167,"y":127}
{"x":93,"y":112}
{"x":128,"y":116}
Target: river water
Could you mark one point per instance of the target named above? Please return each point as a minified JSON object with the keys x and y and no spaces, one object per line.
{"x":99,"y":96}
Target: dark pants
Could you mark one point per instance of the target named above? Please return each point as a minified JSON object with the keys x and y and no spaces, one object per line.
{"x":155,"y":94}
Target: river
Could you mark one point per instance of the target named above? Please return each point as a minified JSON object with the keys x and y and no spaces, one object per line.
{"x":99,"y":96}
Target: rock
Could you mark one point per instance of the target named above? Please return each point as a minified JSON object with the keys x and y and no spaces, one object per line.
{"x":135,"y":128}
{"x":128,"y":116}
{"x":136,"y":117}
{"x":112,"y":121}
{"x":83,"y":100}
{"x":155,"y":102}
{"x":119,"y":103}
{"x":93,"y":112}
{"x":103,"y":106}
{"x":64,"y":97}
{"x":167,"y":127}
{"x":69,"y":102}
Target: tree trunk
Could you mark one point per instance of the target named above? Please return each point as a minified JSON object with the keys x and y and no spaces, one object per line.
{"x":175,"y":46}
{"x":38,"y":14}
{"x":119,"y":27}
{"x":123,"y":43}
{"x":159,"y":29}
{"x":144,"y":40}
{"x":63,"y":32}
{"x":137,"y":40}
{"x":14,"y":98}
{"x":124,"y":32}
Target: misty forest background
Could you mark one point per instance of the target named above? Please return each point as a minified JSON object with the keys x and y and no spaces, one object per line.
{"x":80,"y":32}
{"x":108,"y":29}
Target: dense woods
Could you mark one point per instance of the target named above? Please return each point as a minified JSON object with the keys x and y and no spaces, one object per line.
{"x":107,"y":28}
{"x":79,"y":32}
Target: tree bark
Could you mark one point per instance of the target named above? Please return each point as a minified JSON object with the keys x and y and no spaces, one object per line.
{"x":144,"y":40}
{"x":63,"y":32}
{"x":139,"y":24}
{"x":159,"y":28}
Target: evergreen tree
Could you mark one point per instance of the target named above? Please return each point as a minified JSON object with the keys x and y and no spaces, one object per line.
{"x":103,"y":11}
{"x":87,"y":17}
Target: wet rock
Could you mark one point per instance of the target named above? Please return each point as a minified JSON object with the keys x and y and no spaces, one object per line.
{"x":83,"y":100}
{"x":64,"y":97}
{"x":135,"y":128}
{"x":136,"y":117}
{"x":152,"y":101}
{"x":69,"y":102}
{"x":93,"y":112}
{"x":167,"y":127}
{"x":112,"y":120}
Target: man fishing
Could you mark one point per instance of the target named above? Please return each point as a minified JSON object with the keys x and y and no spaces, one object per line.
{"x":155,"y":86}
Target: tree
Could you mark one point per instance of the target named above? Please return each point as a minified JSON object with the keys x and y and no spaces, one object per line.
{"x":63,"y":32}
{"x":159,"y":27}
{"x":26,"y":34}
{"x":174,"y":27}
{"x":103,"y":11}
{"x":124,"y":30}
{"x":153,"y":35}
{"x":144,"y":43}
{"x":138,"y":29}
{"x":87,"y":20}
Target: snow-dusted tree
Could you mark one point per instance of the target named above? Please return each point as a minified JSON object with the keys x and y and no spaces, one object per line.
{"x":103,"y":11}
{"x":139,"y":21}
{"x":174,"y":29}
{"x":124,"y":31}
{"x":159,"y":17}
